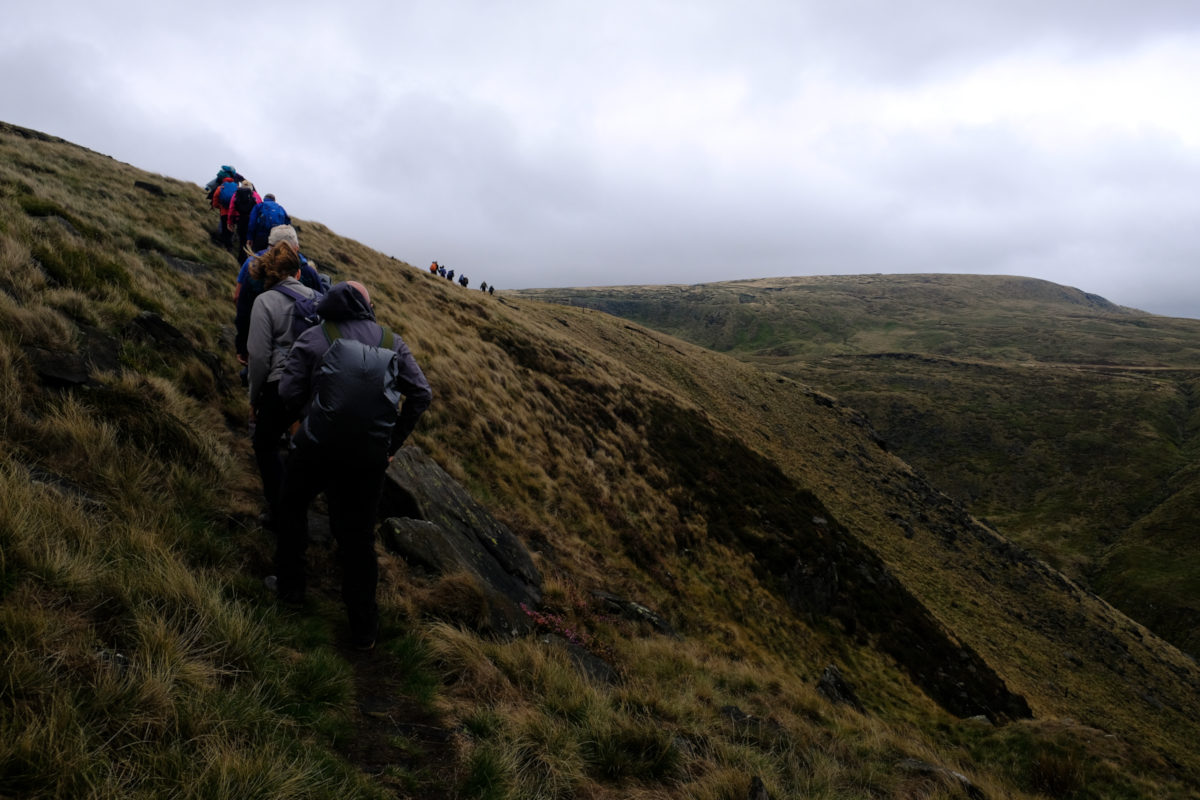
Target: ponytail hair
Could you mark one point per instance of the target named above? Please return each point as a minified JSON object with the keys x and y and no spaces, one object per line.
{"x":280,"y":262}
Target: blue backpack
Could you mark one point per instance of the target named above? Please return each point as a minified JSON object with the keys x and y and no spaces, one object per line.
{"x":226,"y":192}
{"x":272,"y":214}
{"x":304,"y":310}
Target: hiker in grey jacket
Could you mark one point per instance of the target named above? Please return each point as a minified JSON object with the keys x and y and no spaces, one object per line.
{"x":267,"y":344}
{"x":350,"y":473}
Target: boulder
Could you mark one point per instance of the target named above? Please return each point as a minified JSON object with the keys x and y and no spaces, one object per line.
{"x":431,"y":521}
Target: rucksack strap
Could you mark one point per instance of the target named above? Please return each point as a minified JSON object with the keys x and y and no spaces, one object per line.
{"x":387,"y":339}
{"x":292,"y":293}
{"x":331,"y":330}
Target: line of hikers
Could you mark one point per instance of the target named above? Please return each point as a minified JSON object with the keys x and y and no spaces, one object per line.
{"x":244,"y":218}
{"x":333,"y":395}
{"x":439,"y":269}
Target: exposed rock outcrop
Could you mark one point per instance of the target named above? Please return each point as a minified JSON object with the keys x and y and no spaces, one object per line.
{"x":432,"y":522}
{"x":822,"y":570}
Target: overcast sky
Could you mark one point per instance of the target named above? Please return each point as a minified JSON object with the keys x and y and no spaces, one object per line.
{"x":561,"y":143}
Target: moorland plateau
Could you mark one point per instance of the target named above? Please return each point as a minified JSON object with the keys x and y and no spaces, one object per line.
{"x":828,"y":621}
{"x":1068,"y":423}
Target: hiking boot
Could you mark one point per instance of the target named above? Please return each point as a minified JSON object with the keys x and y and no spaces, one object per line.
{"x":291,"y":599}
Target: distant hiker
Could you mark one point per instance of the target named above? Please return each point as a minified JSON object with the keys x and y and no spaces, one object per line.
{"x":243,"y":202}
{"x":483,"y":286}
{"x":247,"y":289}
{"x":492,"y":289}
{"x":224,"y":172}
{"x":433,"y":268}
{"x":463,"y":281}
{"x":220,"y":201}
{"x":348,"y":373}
{"x":450,"y":274}
{"x":265,"y":216}
{"x":272,"y":331}
{"x":442,"y":271}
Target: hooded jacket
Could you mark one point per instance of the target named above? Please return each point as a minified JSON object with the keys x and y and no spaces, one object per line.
{"x":270,"y":335}
{"x":356,"y":320}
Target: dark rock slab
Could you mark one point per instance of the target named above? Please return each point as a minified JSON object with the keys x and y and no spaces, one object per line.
{"x":58,"y":368}
{"x":183,"y":265}
{"x":590,"y":665}
{"x":151,"y":326}
{"x":433,"y":522}
{"x":835,"y":688}
{"x":152,"y":188}
{"x":635,"y":612}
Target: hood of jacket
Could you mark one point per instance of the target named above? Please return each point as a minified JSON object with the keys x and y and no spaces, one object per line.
{"x":342,"y":303}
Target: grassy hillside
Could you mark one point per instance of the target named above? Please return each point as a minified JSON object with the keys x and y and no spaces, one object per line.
{"x":1065,"y":421}
{"x":761,"y":518}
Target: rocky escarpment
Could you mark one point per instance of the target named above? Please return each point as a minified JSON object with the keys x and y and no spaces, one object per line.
{"x":822,"y":570}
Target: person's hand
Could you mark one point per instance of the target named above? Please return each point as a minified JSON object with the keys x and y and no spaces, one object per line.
{"x":241,"y":359}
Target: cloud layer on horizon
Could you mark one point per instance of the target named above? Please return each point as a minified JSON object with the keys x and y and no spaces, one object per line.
{"x":556,"y":144}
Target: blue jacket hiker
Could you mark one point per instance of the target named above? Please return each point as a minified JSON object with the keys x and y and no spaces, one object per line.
{"x":263,"y":217}
{"x":345,"y":377}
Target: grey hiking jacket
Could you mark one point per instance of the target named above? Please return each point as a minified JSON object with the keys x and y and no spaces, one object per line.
{"x":270,"y":335}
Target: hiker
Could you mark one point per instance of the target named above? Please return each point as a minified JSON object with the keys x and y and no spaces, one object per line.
{"x":463,"y":281}
{"x":224,"y":172}
{"x":243,"y":202}
{"x":483,"y":286}
{"x":221,"y":199}
{"x":492,"y":289}
{"x":271,"y":333}
{"x":247,"y":289}
{"x":450,"y":275}
{"x":265,"y":216}
{"x":433,"y":268}
{"x":442,"y":271}
{"x":344,"y":444}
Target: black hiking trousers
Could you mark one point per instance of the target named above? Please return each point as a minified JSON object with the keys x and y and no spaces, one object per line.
{"x":271,"y":421}
{"x":352,"y":487}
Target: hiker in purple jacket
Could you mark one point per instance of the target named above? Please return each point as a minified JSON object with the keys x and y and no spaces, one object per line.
{"x":268,"y":340}
{"x":349,"y":472}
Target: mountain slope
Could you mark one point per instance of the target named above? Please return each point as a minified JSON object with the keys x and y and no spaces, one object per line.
{"x":759,"y":517}
{"x":1066,"y":421}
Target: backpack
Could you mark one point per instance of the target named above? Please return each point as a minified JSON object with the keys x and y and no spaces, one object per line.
{"x":356,"y":396}
{"x":244,"y":203}
{"x":304,"y":310}
{"x":270,"y":215}
{"x":225,"y":193}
